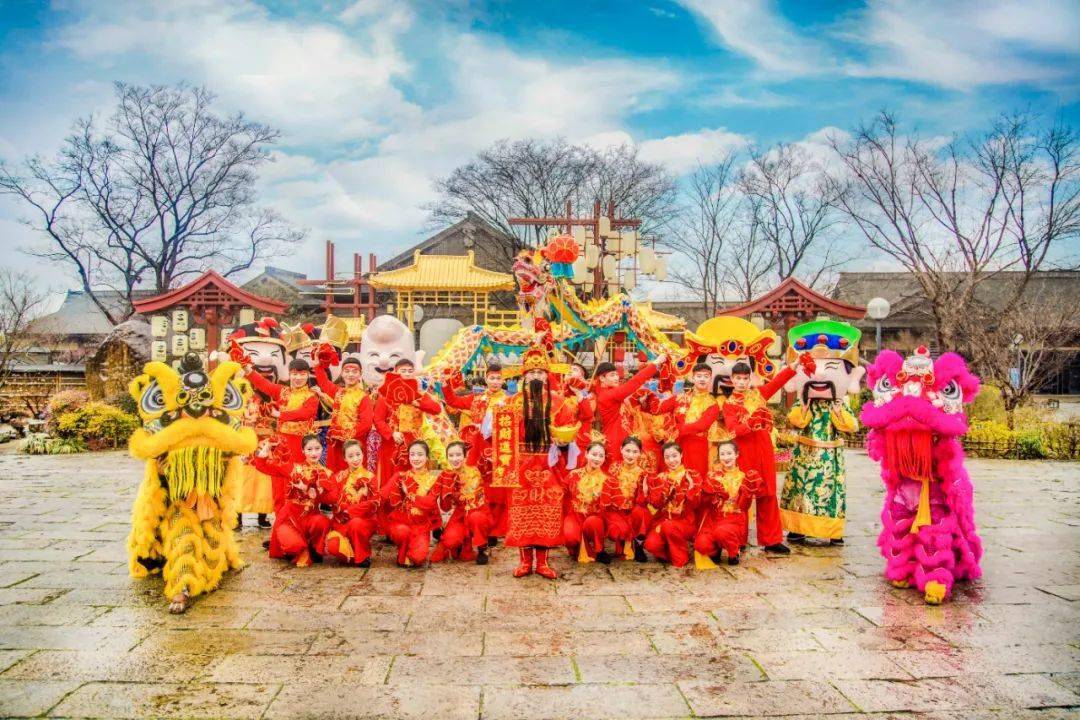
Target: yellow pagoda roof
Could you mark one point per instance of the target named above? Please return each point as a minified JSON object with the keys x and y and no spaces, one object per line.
{"x":356,"y":327}
{"x":442,"y":272}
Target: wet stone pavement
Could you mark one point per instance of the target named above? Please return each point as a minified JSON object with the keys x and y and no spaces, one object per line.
{"x":817,"y":633}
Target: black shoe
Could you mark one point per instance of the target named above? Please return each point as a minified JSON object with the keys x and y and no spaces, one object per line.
{"x":742,"y":548}
{"x":266,"y":544}
{"x":603,"y":557}
{"x":639,"y":552}
{"x":436,"y":533}
{"x":366,"y":563}
{"x":263,"y":521}
{"x":778,"y":549}
{"x":316,"y":557}
{"x":717,"y":558}
{"x":837,"y":541}
{"x":492,"y":541}
{"x":795,"y":537}
{"x":481,"y":556}
{"x":733,"y":560}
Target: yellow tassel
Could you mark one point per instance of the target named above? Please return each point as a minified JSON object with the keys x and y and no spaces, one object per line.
{"x":703,"y":562}
{"x":583,"y":554}
{"x":922,"y":516}
{"x":628,"y":550}
{"x":344,"y":546}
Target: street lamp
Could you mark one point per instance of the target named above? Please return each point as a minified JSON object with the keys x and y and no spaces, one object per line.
{"x":1018,"y":376}
{"x":878,"y":309}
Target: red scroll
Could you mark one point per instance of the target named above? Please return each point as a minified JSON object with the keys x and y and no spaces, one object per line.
{"x":504,"y":448}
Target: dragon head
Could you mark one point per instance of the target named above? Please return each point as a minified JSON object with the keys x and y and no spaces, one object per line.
{"x":192,"y":421}
{"x":918,"y":394}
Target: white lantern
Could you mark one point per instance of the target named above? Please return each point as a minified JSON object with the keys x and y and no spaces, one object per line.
{"x":628,"y":244}
{"x":605,"y":226}
{"x":878,"y":308}
{"x":661,"y":269}
{"x":629,"y":283}
{"x":578,"y":231}
{"x":647,"y":259}
{"x":609,"y":266}
{"x":592,"y":256}
{"x":581,"y":273}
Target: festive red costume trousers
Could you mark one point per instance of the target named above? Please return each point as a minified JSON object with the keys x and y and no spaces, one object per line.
{"x":588,"y":528}
{"x":474,"y":526}
{"x":756,"y":455}
{"x":626,"y":525}
{"x":669,"y":539}
{"x":724,"y":533}
{"x":296,"y":530}
{"x":358,"y":532}
{"x":412,"y":540}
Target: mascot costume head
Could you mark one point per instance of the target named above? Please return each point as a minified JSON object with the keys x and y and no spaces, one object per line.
{"x":835,"y":349}
{"x":916,"y":418}
{"x":191,"y":439}
{"x":720,"y":342}
{"x":266,"y":348}
{"x":385,"y":342}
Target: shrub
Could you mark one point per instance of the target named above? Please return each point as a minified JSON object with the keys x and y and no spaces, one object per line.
{"x":988,"y":405}
{"x":125,"y":402}
{"x":98,"y":425}
{"x":41,"y":444}
{"x":62,"y":402}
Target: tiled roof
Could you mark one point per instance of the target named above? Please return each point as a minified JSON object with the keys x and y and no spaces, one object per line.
{"x":443,"y":272}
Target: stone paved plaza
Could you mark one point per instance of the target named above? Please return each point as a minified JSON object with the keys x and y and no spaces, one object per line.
{"x":817,"y":633}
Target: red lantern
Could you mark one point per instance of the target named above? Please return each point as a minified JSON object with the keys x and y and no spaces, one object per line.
{"x":561,"y":249}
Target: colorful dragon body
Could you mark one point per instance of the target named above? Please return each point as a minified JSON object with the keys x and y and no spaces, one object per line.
{"x":192,"y":438}
{"x":916,"y":418}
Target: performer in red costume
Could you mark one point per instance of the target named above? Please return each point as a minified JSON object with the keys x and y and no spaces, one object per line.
{"x":474,"y":408}
{"x":398,"y":419}
{"x":521,"y":432}
{"x":671,"y":498}
{"x":584,"y":530}
{"x":748,"y":418}
{"x":726,"y":495}
{"x":694,"y":413}
{"x":353,"y":408}
{"x":296,"y":405}
{"x":299,"y":531}
{"x":611,"y":394}
{"x":466,"y":533}
{"x":625,"y":516}
{"x":354,"y":495}
{"x":413,"y":500}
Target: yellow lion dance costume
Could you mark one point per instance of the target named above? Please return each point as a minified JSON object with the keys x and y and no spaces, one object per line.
{"x":192,"y":439}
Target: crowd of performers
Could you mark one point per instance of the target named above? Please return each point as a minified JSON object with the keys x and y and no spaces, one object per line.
{"x":607,"y":467}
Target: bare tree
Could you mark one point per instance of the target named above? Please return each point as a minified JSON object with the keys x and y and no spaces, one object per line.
{"x":21,"y":302}
{"x":165,"y":191}
{"x":703,"y":235}
{"x":957,"y":216}
{"x":794,"y":210}
{"x":535,"y":178}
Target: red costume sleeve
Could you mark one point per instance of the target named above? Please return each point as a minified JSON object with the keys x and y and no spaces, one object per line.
{"x":701,"y":424}
{"x":325,"y":383}
{"x":391,"y":492}
{"x":268,"y":467}
{"x":330,"y":490}
{"x":666,"y":405}
{"x":381,"y":418}
{"x":305,"y":412}
{"x":458,"y":402}
{"x":735,"y":417}
{"x":773,"y":386}
{"x":428,"y":404}
{"x":264,"y":386}
{"x":606,"y":397}
{"x":364,"y":417}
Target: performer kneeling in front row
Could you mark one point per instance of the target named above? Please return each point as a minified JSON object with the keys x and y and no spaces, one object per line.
{"x":584,"y":530}
{"x":466,"y":533}
{"x":354,"y":495}
{"x":299,"y":531}
{"x":726,"y":495}
{"x":625,"y":517}
{"x":672,"y":497}
{"x":413,"y":499}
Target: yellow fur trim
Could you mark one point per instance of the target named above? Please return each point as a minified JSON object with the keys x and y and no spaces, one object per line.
{"x":146,"y":513}
{"x":193,"y":432}
{"x":934,"y":592}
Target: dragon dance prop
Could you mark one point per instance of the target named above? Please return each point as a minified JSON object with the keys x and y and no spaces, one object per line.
{"x":928,"y":535}
{"x":186,"y":507}
{"x":574,"y":323}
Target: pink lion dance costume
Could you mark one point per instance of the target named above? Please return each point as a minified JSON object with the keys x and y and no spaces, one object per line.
{"x":928,"y":536}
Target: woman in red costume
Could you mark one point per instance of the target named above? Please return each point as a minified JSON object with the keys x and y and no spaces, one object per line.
{"x":354,"y":495}
{"x":296,"y":405}
{"x":694,"y":413}
{"x":726,"y":495}
{"x":748,"y":418}
{"x":466,"y":533}
{"x":299,"y":531}
{"x":625,"y":516}
{"x":671,"y":498}
{"x":399,"y":415}
{"x":584,"y":531}
{"x":413,"y":500}
{"x":352,"y":409}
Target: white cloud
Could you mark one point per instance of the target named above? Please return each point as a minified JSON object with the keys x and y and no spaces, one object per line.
{"x":682,"y":153}
{"x":757,"y":29}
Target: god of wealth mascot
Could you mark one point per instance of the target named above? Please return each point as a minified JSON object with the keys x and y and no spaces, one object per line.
{"x":185,"y":511}
{"x":928,"y":535}
{"x":720,"y":342}
{"x":814,"y":500}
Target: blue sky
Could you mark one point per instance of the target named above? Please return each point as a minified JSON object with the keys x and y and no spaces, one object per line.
{"x":376,"y":98}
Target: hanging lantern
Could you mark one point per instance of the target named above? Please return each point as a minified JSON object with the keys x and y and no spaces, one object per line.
{"x":661,"y":269}
{"x":629,"y":282}
{"x":609,"y":266}
{"x":578,"y":233}
{"x":628,"y":243}
{"x":592,"y":255}
{"x":581,"y":273}
{"x":605,"y":226}
{"x":647,"y":260}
